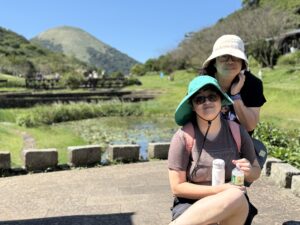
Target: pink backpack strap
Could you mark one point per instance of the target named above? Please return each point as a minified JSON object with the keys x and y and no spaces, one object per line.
{"x":189,"y":136}
{"x":236,"y":133}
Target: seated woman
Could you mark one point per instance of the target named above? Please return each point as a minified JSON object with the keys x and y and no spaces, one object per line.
{"x":190,"y":172}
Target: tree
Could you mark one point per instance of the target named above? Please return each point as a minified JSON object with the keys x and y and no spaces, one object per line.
{"x":267,"y":25}
{"x":137,"y":69}
{"x":250,"y":3}
{"x":151,"y":65}
{"x":265,"y":52}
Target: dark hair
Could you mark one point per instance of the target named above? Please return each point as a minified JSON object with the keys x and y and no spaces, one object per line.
{"x":210,"y":69}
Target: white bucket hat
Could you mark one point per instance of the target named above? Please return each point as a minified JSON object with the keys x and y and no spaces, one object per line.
{"x":228,"y":44}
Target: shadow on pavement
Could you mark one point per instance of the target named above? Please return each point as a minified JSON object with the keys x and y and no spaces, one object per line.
{"x":291,"y":222}
{"x":108,"y":219}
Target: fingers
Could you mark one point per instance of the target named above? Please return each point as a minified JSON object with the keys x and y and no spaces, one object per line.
{"x":243,"y":164}
{"x":236,"y":87}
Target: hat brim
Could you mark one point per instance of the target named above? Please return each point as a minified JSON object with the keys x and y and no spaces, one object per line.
{"x":226,"y":51}
{"x":184,"y":110}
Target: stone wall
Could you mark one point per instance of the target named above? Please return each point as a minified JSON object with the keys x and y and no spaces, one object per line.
{"x":283,"y":174}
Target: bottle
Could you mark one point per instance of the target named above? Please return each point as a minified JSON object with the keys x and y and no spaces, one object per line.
{"x":237,"y":176}
{"x":218,"y":172}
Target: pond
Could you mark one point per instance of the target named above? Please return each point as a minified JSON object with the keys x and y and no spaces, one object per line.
{"x":125,"y":130}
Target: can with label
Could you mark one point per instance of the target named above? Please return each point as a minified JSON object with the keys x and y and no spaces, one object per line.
{"x":237,"y":177}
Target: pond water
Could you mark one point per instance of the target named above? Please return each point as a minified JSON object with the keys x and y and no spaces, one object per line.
{"x":125,"y":130}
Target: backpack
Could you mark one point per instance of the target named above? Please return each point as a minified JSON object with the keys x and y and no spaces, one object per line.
{"x":260,"y":149}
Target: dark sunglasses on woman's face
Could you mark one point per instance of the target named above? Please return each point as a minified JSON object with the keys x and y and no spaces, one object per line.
{"x":225,"y":58}
{"x":201,"y":99}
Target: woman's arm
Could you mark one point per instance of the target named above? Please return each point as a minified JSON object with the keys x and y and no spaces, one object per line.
{"x":248,"y":116}
{"x":181,"y":188}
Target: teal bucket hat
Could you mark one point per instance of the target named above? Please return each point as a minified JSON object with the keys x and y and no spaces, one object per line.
{"x":184,"y":110}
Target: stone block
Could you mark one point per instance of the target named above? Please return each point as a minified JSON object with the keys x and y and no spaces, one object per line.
{"x":84,"y":155}
{"x":268,"y":165}
{"x":4,"y":160}
{"x":158,"y":150}
{"x":124,"y":153}
{"x":296,"y":185}
{"x":40,"y":159}
{"x":282,"y":174}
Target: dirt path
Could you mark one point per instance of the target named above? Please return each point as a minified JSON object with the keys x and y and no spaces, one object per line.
{"x":28,"y":141}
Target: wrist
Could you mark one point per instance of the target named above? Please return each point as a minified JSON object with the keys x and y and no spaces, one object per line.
{"x":236,"y":97}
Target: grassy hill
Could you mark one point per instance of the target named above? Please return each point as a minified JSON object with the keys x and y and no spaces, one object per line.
{"x":18,"y":56}
{"x":80,"y":44}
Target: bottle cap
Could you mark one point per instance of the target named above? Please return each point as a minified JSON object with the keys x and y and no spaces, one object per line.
{"x":218,"y":163}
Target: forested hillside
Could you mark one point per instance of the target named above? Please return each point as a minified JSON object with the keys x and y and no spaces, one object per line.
{"x":257,"y":23}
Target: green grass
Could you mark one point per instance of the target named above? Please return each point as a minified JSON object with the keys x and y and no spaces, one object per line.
{"x":56,"y":137}
{"x":11,"y":140}
{"x":170,"y":92}
{"x":282,"y":90}
{"x":8,"y":115}
{"x":13,"y":82}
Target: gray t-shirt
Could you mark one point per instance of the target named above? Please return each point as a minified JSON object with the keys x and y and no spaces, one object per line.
{"x":222,"y":147}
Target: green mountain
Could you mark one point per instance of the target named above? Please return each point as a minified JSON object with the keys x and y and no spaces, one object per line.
{"x":80,"y":44}
{"x":18,"y":56}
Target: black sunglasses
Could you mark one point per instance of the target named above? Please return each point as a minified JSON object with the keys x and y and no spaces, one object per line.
{"x":201,"y":99}
{"x":225,"y":58}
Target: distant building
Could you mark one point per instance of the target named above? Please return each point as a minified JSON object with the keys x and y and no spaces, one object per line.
{"x":289,"y":41}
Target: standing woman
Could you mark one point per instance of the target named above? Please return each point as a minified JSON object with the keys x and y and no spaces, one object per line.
{"x":228,"y":63}
{"x":190,"y":170}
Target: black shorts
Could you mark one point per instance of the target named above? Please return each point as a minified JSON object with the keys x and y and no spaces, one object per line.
{"x":182,"y":204}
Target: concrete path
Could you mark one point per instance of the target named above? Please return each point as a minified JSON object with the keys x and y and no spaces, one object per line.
{"x":130,"y":194}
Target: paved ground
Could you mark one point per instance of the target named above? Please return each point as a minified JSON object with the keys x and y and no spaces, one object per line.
{"x":131,"y":194}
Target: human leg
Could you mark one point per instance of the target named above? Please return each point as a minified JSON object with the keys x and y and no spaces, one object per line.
{"x":227,"y":207}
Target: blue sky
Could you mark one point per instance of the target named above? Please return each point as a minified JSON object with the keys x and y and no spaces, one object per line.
{"x":142,"y":29}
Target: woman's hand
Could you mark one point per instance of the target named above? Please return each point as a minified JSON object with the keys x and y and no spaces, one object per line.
{"x":244,"y":165}
{"x":237,"y":86}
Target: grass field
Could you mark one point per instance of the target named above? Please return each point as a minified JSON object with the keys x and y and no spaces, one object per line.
{"x":282,"y":90}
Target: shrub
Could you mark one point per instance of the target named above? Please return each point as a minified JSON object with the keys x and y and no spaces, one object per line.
{"x":291,"y":59}
{"x":73,"y":80}
{"x":26,"y":120}
{"x":59,"y":112}
{"x":281,"y":144}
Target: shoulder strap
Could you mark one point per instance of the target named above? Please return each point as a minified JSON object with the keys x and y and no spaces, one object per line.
{"x":236,"y":133}
{"x":189,"y":136}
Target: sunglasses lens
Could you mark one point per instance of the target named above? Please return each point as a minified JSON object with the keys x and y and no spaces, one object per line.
{"x":212,"y":98}
{"x":201,"y":99}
